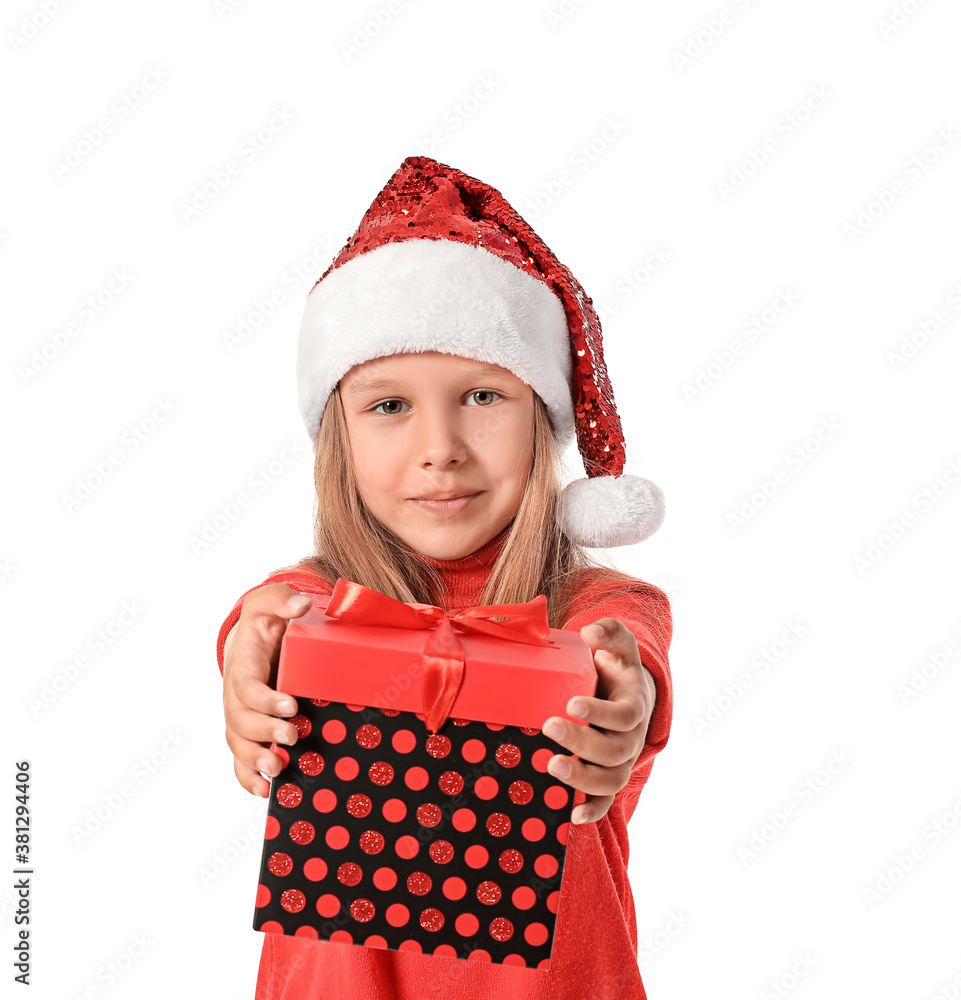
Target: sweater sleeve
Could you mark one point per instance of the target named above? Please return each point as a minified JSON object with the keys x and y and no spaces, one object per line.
{"x":300,"y":579}
{"x":646,"y":612}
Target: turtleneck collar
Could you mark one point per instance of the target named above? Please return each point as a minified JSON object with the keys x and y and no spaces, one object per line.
{"x":465,"y":577}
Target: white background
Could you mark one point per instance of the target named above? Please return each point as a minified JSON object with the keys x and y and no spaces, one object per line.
{"x":783,"y":876}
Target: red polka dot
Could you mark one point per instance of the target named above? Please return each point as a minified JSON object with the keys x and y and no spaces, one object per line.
{"x":416,"y":778}
{"x":280,"y":864}
{"x":535,"y":934}
{"x":320,"y":702}
{"x":272,"y":829}
{"x":523,"y":897}
{"x":447,"y":950}
{"x":350,"y":873}
{"x":289,"y":796}
{"x":344,"y":937}
{"x":334,"y":731}
{"x":390,"y":711}
{"x":501,"y":929}
{"x":485,"y":788}
{"x":306,"y":931}
{"x":464,"y":820}
{"x":428,"y":814}
{"x":281,"y":753}
{"x":461,"y":722}
{"x":347,"y":768}
{"x":380,"y":773}
{"x":495,"y":726}
{"x":455,"y":888}
{"x":533,"y":828}
{"x":397,"y":914}
{"x":546,"y":866}
{"x":315,"y":869}
{"x":473,"y":751}
{"x":432,"y":919}
{"x":337,"y":837}
{"x":476,"y":856}
{"x":403,"y":741}
{"x":441,"y":851}
{"x":515,"y":960}
{"x":302,"y":832}
{"x":394,"y":810}
{"x":508,"y":755}
{"x":311,"y":763}
{"x":293,"y":900}
{"x":539,"y":758}
{"x":562,"y":832}
{"x":324,"y":800}
{"x":375,"y":940}
{"x":371,"y":842}
{"x":385,"y":879}
{"x":419,"y":883}
{"x":556,"y":797}
{"x":354,"y":708}
{"x":272,"y":927}
{"x":552,"y":901}
{"x":368,"y":736}
{"x":488,"y":893}
{"x":437,"y":745}
{"x":544,"y":963}
{"x":529,"y":731}
{"x":450,"y":783}
{"x":410,"y":945}
{"x":263,"y":895}
{"x":302,"y":723}
{"x":498,"y":824}
{"x":479,"y":955}
{"x":407,"y":847}
{"x":362,"y":910}
{"x":520,"y":792}
{"x":359,"y":805}
{"x":328,"y":905}
{"x":466,"y":924}
{"x":511,"y":861}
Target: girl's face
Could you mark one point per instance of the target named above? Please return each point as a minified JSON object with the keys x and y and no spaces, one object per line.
{"x":433,"y":423}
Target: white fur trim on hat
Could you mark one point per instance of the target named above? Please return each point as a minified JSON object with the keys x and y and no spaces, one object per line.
{"x":435,"y":295}
{"x":607,"y":511}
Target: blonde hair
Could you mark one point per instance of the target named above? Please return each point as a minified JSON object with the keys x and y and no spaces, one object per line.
{"x":536,"y":558}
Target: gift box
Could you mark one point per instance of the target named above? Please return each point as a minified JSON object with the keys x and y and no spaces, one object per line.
{"x":415,"y":811}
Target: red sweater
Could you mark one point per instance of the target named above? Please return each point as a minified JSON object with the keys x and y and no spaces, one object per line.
{"x":595,"y":944}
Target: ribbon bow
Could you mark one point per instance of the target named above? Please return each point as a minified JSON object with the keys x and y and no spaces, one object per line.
{"x":443,"y":653}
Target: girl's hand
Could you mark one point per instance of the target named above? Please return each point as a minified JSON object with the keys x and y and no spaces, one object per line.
{"x":621,"y":714}
{"x":251,"y":705}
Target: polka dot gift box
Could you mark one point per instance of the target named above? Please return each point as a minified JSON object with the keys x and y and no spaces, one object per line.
{"x":415,"y":811}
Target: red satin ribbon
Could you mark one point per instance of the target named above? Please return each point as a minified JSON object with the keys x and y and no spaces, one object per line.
{"x":443,"y":653}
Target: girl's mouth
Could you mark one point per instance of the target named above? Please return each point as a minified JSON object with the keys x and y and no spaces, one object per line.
{"x":445,"y":506}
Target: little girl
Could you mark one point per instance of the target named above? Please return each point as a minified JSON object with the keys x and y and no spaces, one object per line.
{"x":446,"y":360}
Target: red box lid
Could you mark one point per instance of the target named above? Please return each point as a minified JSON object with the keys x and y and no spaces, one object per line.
{"x":505,"y":682}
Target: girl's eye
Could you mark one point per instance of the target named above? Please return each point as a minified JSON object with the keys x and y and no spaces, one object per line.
{"x":479,"y":392}
{"x":376,"y":408}
{"x":485,"y":392}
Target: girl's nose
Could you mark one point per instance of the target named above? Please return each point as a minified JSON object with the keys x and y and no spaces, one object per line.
{"x":440,"y":439}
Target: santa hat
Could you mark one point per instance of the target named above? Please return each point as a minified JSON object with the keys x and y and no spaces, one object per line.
{"x":441,"y":262}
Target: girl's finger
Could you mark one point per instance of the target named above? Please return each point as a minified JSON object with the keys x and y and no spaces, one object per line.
{"x":259,"y":727}
{"x":253,"y":756}
{"x":592,"y":779}
{"x":251,"y":692}
{"x":614,"y":649}
{"x":251,"y":780}
{"x":593,"y":808}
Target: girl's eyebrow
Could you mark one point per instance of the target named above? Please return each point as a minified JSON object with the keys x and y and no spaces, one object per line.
{"x":363,"y":384}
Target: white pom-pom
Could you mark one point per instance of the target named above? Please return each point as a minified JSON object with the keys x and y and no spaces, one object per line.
{"x":608,"y":511}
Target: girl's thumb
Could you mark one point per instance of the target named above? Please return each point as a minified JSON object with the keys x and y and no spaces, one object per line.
{"x":299,"y":602}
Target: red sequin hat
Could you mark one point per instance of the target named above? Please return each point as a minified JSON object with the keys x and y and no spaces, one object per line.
{"x":441,"y":262}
